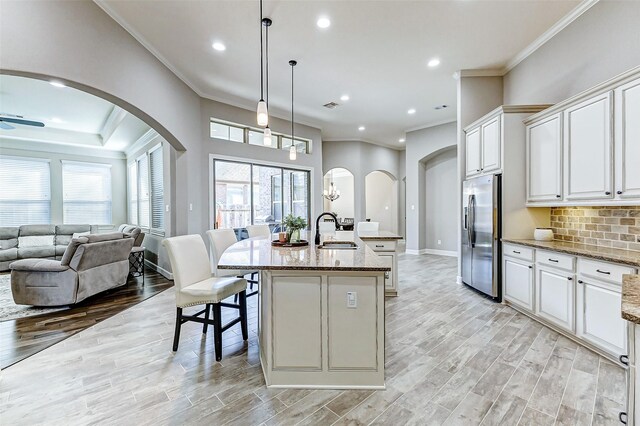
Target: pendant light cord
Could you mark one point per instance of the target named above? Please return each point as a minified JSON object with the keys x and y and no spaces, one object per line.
{"x":293,"y":63}
{"x":267,"y":55}
{"x":261,"y":57}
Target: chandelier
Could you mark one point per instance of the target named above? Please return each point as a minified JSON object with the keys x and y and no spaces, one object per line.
{"x":332,"y":194}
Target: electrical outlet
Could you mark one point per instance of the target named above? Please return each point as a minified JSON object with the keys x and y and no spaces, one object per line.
{"x":352,"y":299}
{"x":413,"y":207}
{"x":439,"y":242}
{"x":166,"y":208}
{"x":190,"y":207}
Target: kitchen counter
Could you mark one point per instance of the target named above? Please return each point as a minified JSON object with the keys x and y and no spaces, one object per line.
{"x":626,"y":257}
{"x":258,"y":254}
{"x":631,"y":298}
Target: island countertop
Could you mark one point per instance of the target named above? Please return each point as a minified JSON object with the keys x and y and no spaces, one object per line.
{"x":258,"y":254}
{"x":627,"y":257}
{"x":631,"y":298}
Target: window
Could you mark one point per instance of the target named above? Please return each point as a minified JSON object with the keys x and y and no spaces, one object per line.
{"x":86,"y":193}
{"x":25,"y":191}
{"x":244,"y":134}
{"x":146,"y":191}
{"x":248,"y":194}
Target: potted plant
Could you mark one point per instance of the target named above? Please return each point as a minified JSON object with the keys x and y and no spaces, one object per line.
{"x":293,"y":225}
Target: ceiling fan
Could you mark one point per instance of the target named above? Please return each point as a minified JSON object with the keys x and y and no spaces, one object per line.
{"x":16,"y":119}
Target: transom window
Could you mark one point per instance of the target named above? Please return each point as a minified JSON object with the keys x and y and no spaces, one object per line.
{"x":238,"y":133}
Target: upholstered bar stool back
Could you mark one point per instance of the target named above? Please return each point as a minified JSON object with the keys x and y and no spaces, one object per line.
{"x":258,"y":231}
{"x":368,"y":227}
{"x":189,"y":262}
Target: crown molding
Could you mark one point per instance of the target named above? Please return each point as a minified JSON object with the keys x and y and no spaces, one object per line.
{"x":480,"y":73}
{"x":434,"y":124}
{"x":146,"y":138}
{"x":367,"y":141}
{"x":549,"y":34}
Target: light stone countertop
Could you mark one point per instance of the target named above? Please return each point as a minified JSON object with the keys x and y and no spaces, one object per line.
{"x":258,"y":254}
{"x":631,"y":298}
{"x":365,"y":236}
{"x":626,"y":257}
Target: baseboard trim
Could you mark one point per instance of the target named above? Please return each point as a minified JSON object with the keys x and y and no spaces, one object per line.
{"x":168,"y":275}
{"x":432,"y":251}
{"x":459,"y":280}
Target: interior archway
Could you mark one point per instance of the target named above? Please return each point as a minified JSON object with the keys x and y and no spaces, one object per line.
{"x":343,"y":181}
{"x":381,"y":200}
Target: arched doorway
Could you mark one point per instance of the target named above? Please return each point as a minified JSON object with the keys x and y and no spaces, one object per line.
{"x":343,"y":187}
{"x":381,"y":200}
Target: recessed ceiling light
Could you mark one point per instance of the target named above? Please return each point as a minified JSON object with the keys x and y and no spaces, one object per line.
{"x":57,"y":84}
{"x":56,"y":120}
{"x":401,"y":140}
{"x":219,"y":46}
{"x":323,"y":22}
{"x":361,"y":128}
{"x":434,"y":62}
{"x":344,"y":98}
{"x":411,"y":111}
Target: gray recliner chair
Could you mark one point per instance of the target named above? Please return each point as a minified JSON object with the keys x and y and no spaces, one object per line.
{"x":90,"y":265}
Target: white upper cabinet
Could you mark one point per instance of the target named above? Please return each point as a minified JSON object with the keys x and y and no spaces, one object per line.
{"x":473,"y":152}
{"x":544,"y":160}
{"x":490,"y":132}
{"x":627,"y":131}
{"x":588,"y":148}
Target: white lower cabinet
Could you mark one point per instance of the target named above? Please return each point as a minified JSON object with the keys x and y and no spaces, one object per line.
{"x":518,"y":282}
{"x":598,"y":317}
{"x":555,"y":296}
{"x":386,"y":250}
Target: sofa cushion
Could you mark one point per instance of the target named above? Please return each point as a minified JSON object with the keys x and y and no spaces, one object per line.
{"x":134,"y":232}
{"x":8,"y":243}
{"x":42,"y":251}
{"x":35,"y":241}
{"x":7,"y":232}
{"x":72,"y":229}
{"x":38,"y":265}
{"x":27,"y":230}
{"x":8,"y":254}
{"x":71,"y":249}
{"x":60,"y":249}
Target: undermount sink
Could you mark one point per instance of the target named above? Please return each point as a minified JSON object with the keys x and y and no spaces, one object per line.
{"x":338,"y":245}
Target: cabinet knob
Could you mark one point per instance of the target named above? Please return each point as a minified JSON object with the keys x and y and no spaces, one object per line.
{"x":619,"y":192}
{"x":530,"y":267}
{"x":477,"y":170}
{"x":624,"y":359}
{"x":580,"y":281}
{"x":558,"y":196}
{"x":607,"y":193}
{"x":570,"y":279}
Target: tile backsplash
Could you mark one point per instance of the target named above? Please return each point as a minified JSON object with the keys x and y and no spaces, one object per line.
{"x":617,"y":227}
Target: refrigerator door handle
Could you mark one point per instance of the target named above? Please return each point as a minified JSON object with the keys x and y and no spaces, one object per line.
{"x":472,"y":220}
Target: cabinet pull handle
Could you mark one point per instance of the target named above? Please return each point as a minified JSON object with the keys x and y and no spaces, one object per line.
{"x":607,"y":193}
{"x":622,"y":416}
{"x":624,"y":359}
{"x":580,"y":281}
{"x":619,"y":192}
{"x":516,"y":252}
{"x":558,"y":196}
{"x":553,"y":260}
{"x":603,"y":272}
{"x":379,"y":245}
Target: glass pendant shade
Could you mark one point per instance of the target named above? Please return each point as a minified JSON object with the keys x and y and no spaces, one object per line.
{"x":263,"y":114}
{"x":267,"y":137}
{"x":293,"y":154}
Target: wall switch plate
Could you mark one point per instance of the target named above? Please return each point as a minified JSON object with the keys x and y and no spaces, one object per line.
{"x":413,"y":207}
{"x":352,"y":299}
{"x":190,"y":207}
{"x":166,"y":208}
{"x":439,"y":242}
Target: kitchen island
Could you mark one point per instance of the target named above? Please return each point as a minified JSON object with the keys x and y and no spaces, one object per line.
{"x":320,"y":310}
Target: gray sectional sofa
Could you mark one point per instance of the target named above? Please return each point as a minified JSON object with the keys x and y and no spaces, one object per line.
{"x":89,"y":265}
{"x":37,"y":241}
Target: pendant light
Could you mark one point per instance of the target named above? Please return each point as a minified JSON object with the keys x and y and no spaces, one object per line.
{"x":292,"y":151}
{"x":266,"y":22}
{"x":263,"y":114}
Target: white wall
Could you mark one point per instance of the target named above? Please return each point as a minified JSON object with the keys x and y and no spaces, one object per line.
{"x":343,"y":206}
{"x":118,"y":173}
{"x":360,"y":158}
{"x":441,"y":202}
{"x":421,"y":146}
{"x":597,"y":46}
{"x":382,"y":200}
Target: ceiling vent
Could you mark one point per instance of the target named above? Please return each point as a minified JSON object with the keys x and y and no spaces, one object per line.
{"x":331,"y":105}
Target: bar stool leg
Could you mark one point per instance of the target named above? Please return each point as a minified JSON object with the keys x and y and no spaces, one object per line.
{"x":243,"y":315}
{"x":217,"y":329}
{"x":176,"y":335}
{"x":206,"y":318}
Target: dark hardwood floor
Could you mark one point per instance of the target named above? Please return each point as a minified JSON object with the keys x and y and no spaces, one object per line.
{"x":23,"y":337}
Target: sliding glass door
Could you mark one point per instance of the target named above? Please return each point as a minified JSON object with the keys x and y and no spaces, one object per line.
{"x":248,"y":193}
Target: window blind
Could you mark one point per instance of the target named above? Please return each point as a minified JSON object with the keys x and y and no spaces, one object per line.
{"x":25,"y":191}
{"x":143,"y":191}
{"x":157,"y":190}
{"x":133,"y":193}
{"x":86,"y":193}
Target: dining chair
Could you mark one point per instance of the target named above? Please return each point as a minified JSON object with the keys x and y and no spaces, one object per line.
{"x":368,"y":227}
{"x":258,"y":231}
{"x":195,"y":285}
{"x":220,"y":240}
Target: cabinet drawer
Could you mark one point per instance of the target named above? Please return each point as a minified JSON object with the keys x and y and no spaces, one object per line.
{"x":382,"y":245}
{"x":519,"y":252}
{"x":603,"y":271}
{"x":556,"y":260}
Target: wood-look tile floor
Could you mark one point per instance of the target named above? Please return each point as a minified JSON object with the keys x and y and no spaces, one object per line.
{"x":453,"y":357}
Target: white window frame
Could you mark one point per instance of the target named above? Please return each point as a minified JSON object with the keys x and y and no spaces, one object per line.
{"x":147,"y":154}
{"x":276,"y":137}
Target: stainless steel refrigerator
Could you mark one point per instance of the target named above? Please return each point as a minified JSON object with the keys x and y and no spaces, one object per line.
{"x":481,"y":224}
